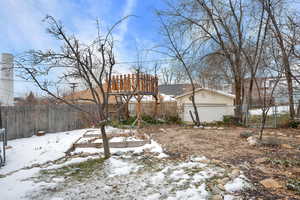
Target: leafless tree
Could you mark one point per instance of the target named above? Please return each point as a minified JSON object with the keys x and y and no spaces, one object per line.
{"x":90,"y":64}
{"x":167,"y":75}
{"x":279,"y":21}
{"x":266,"y":91}
{"x":222,"y":26}
{"x":176,"y":46}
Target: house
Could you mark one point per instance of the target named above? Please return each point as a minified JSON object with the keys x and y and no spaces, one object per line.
{"x":211,"y":104}
{"x":174,"y":90}
{"x":265,"y":85}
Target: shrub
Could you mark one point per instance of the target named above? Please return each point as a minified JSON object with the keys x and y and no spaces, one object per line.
{"x":173,"y":120}
{"x":294,"y":185}
{"x":230,"y":120}
{"x":293,"y":124}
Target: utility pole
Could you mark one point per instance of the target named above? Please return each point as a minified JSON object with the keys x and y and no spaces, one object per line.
{"x":73,"y":86}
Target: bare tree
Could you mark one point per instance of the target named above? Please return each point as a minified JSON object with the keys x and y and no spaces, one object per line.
{"x":222,"y":25}
{"x":167,"y":75}
{"x":90,"y":64}
{"x":179,"y":48}
{"x":266,"y":92}
{"x":278,"y":21}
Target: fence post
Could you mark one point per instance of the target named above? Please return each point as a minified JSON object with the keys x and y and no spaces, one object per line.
{"x":275,"y":114}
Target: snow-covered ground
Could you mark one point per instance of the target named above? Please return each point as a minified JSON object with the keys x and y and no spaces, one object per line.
{"x":279,"y":110}
{"x":38,"y":149}
{"x":131,"y":173}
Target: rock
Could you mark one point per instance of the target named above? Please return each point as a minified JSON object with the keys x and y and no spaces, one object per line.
{"x":271,"y":141}
{"x":118,"y":153}
{"x":286,"y":146}
{"x":221,"y":187}
{"x":272,"y":133}
{"x":246,"y":134}
{"x":223,"y":181}
{"x":217,"y":162}
{"x":207,"y":127}
{"x":8,"y":147}
{"x":216,"y":190}
{"x":198,"y":126}
{"x":270,"y":183}
{"x":296,"y":169}
{"x":35,"y":165}
{"x":252,"y":140}
{"x":234,"y":173}
{"x":281,"y":134}
{"x":260,"y":160}
{"x":216,"y":197}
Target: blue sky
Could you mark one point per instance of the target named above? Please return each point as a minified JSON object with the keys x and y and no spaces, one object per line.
{"x":22,"y":27}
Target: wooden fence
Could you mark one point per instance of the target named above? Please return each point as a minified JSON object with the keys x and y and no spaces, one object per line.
{"x":165,"y":109}
{"x":25,"y":121}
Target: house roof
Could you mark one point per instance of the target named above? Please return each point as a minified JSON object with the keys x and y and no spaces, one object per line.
{"x":87,"y":95}
{"x":175,"y":89}
{"x":206,"y":89}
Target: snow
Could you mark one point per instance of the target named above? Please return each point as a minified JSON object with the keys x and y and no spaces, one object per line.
{"x":192,"y":165}
{"x":280,"y":110}
{"x":122,"y":139}
{"x":153,"y":147}
{"x":198,"y":159}
{"x":15,"y":186}
{"x":26,"y":152}
{"x":158,"y":178}
{"x":148,"y":98}
{"x":179,"y":174}
{"x":153,"y":197}
{"x":118,"y":167}
{"x":72,"y":161}
{"x":191,"y":194}
{"x":166,"y":97}
{"x":38,"y":149}
{"x":129,"y":173}
{"x":206,"y":174}
{"x":237,"y":185}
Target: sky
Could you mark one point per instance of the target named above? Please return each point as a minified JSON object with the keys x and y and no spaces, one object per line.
{"x":22,"y":26}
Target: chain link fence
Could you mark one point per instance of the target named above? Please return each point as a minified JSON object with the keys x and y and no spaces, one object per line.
{"x":278,"y":115}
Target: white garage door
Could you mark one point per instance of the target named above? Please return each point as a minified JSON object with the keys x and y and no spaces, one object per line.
{"x":208,"y":113}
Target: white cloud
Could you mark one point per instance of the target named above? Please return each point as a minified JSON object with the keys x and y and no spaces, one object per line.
{"x":23,"y":28}
{"x":128,"y":10}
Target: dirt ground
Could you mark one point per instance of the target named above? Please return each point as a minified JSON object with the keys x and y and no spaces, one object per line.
{"x":281,"y":162}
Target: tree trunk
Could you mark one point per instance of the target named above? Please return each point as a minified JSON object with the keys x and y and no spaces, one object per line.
{"x":238,"y":101}
{"x":105,"y":142}
{"x":263,"y":123}
{"x":195,"y":108}
{"x":155,"y":107}
{"x":290,"y":87}
{"x":298,"y":110}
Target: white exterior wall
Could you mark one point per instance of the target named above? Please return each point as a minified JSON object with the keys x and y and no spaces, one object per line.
{"x":211,"y":106}
{"x":6,"y":80}
{"x":206,"y":97}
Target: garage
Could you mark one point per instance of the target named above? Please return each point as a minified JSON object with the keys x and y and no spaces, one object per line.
{"x":212,"y":105}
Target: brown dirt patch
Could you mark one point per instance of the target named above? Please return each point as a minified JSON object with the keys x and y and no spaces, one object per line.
{"x":258,"y":162}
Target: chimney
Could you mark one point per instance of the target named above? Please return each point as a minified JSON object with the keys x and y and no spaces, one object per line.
{"x":6,"y":80}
